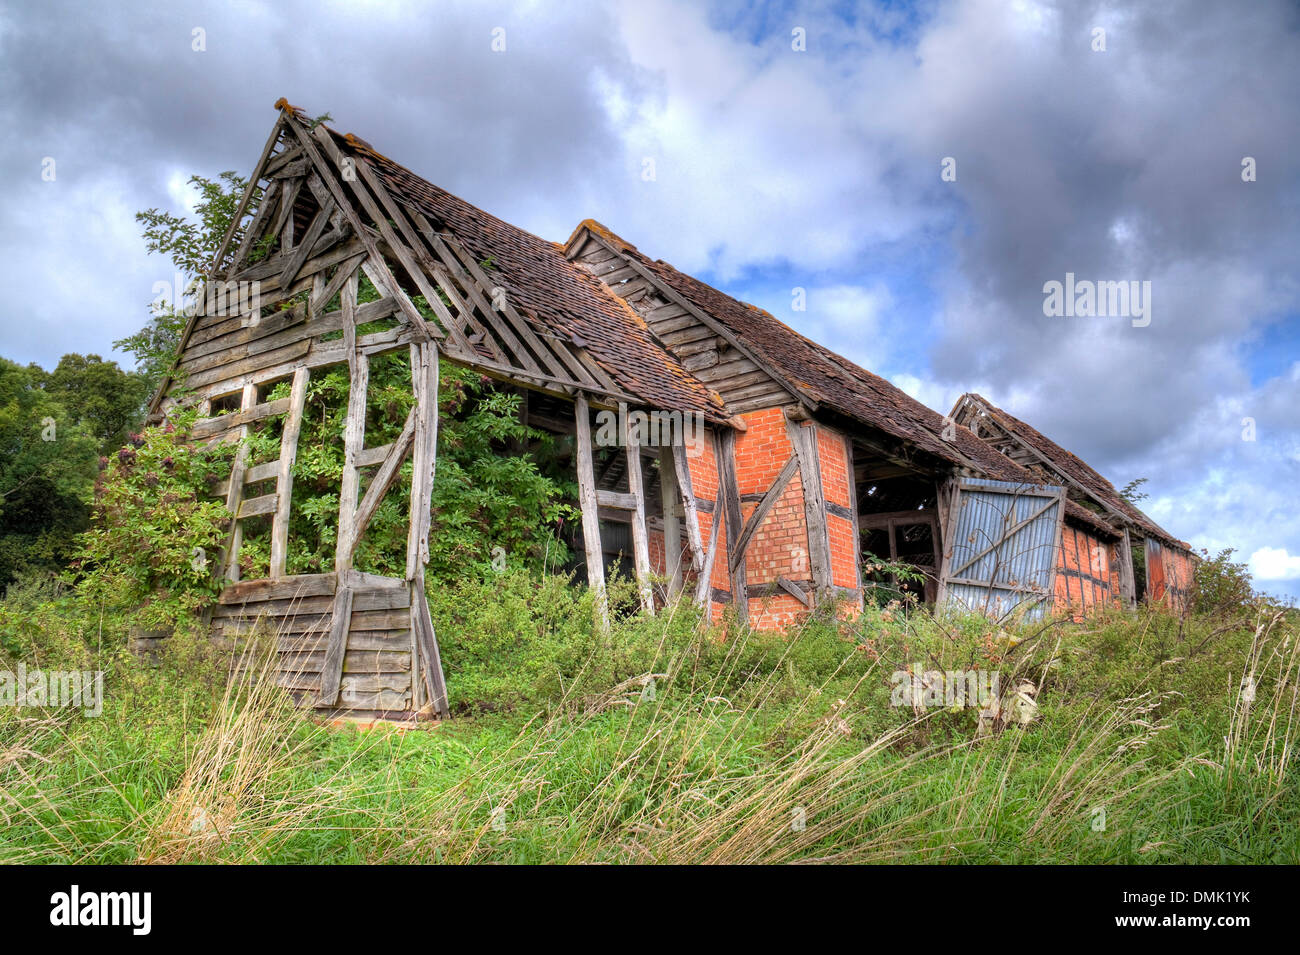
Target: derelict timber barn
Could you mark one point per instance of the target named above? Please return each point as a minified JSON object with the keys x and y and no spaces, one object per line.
{"x":802,"y":462}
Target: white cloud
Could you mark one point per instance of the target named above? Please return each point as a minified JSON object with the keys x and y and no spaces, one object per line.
{"x":1274,"y":563}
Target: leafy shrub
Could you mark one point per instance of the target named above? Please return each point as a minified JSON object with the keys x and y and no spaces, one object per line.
{"x":1220,"y":584}
{"x":157,"y":531}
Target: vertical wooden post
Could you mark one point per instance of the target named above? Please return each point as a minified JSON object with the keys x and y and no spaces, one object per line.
{"x":857,"y":527}
{"x":729,"y":495}
{"x":590,"y":509}
{"x":235,"y":493}
{"x":668,"y":496}
{"x":284,"y":480}
{"x":1127,"y":579}
{"x":424,"y":385}
{"x":704,"y":584}
{"x":948,"y":503}
{"x":689,"y":510}
{"x":640,"y":538}
{"x":354,"y":431}
{"x":336,"y":648}
{"x":804,"y":440}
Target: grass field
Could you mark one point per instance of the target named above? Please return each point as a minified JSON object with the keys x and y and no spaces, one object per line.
{"x":663,"y":742}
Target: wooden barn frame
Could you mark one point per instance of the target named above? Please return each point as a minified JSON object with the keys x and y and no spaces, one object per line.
{"x":801,"y":456}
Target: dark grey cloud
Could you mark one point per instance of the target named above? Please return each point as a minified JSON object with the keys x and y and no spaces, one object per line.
{"x":124,"y":104}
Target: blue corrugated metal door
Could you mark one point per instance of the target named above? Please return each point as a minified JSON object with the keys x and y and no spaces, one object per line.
{"x":1000,"y":555}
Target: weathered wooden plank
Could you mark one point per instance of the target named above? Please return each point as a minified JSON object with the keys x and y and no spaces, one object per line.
{"x":354,"y":431}
{"x":1127,"y":579}
{"x":271,"y":199}
{"x":640,"y":537}
{"x":670,"y":503}
{"x":304,"y":585}
{"x":588,"y":502}
{"x":235,"y":369}
{"x":362,"y":601}
{"x":424,"y":445}
{"x":332,"y":667}
{"x":284,"y":474}
{"x":354,"y":661}
{"x":426,"y":645}
{"x":235,"y":493}
{"x":703,"y":585}
{"x":209,"y":426}
{"x":383,"y":478}
{"x":727,"y":487}
{"x":619,"y":500}
{"x":369,"y":457}
{"x":255,"y":506}
{"x":394,"y":641}
{"x":259,"y":171}
{"x":857,"y":523}
{"x":682,"y":469}
{"x":314,"y":231}
{"x":804,"y":441}
{"x":794,"y":590}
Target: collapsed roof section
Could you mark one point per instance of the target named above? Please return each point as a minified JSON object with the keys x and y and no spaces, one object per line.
{"x":1027,"y":445}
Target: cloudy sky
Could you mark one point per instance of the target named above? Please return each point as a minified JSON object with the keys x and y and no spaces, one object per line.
{"x":776,"y":167}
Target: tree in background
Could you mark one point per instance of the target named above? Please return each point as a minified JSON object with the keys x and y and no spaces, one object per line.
{"x":108,"y":401}
{"x":48,"y":461}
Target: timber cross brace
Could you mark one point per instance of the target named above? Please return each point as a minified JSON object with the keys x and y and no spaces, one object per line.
{"x":803,"y":462}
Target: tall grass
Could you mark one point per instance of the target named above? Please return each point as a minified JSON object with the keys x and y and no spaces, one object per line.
{"x":681,"y":747}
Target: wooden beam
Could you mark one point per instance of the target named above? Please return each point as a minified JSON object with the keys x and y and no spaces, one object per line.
{"x":803,"y":438}
{"x":284,"y":477}
{"x":795,"y":591}
{"x":670,"y":501}
{"x":331,"y":673}
{"x":383,"y":479}
{"x":730,"y":495}
{"x":235,"y":494}
{"x":304,"y":248}
{"x":590,"y":507}
{"x":616,"y":499}
{"x":354,"y":430}
{"x":1127,"y":578}
{"x":640,"y":536}
{"x":424,"y":383}
{"x":426,"y":647}
{"x":703,"y":584}
{"x":857,"y":522}
{"x":249,"y":189}
{"x":765,"y":505}
{"x":682,"y":468}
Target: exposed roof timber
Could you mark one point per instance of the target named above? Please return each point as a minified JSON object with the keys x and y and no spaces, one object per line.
{"x":969,"y":406}
{"x":699,"y":314}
